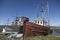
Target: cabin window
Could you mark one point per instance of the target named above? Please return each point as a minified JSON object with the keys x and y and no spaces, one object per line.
{"x":38,"y":21}
{"x":41,"y":22}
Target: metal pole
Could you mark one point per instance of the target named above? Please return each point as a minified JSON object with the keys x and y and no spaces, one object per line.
{"x":48,"y":15}
{"x":43,"y":11}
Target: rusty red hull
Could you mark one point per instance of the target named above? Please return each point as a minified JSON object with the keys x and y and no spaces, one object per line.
{"x":34,"y":29}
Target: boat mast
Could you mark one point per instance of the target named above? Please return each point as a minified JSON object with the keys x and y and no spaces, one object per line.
{"x":42,"y":11}
{"x":48,"y":14}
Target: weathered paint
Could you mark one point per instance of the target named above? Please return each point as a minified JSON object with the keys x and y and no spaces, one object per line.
{"x":34,"y":29}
